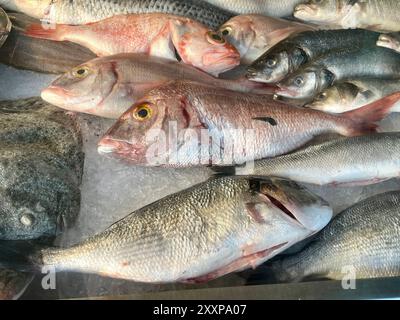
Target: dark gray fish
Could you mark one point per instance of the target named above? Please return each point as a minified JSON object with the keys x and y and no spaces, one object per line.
{"x":13,"y":284}
{"x":351,"y":63}
{"x":5,"y":26}
{"x":364,"y":239}
{"x":84,"y":11}
{"x":40,"y":55}
{"x":41,"y":163}
{"x":287,"y":56}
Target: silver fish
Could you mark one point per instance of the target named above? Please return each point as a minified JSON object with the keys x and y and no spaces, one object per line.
{"x":271,"y":8}
{"x":83,"y":11}
{"x":353,"y":94}
{"x":382,"y":15}
{"x":350,"y":161}
{"x":5,"y":26}
{"x":391,"y":41}
{"x":212,"y":229}
{"x":363,"y":240}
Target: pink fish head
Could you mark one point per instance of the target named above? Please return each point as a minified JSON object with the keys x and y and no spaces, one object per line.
{"x":204,"y":49}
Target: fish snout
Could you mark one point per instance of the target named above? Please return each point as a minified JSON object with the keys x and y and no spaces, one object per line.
{"x":54,"y":95}
{"x":304,"y":10}
{"x":225,"y":59}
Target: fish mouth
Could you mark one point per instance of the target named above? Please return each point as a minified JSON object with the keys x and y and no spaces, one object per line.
{"x":223,"y":61}
{"x":115,"y":148}
{"x":285,"y":92}
{"x":253,"y":75}
{"x":304,"y":10}
{"x":287,"y":210}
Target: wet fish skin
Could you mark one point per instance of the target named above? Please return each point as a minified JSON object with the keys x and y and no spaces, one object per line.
{"x":161,"y":36}
{"x":381,"y":15}
{"x":13,"y":284}
{"x":326,"y":70}
{"x":271,"y":8}
{"x":254,"y":34}
{"x":112,"y":84}
{"x":272,"y":128}
{"x":297,"y":50}
{"x":87,"y":11}
{"x":353,"y":94}
{"x":218,"y":227}
{"x":365,"y":237}
{"x":350,"y":161}
{"x":39,"y":55}
{"x":41,"y":164}
{"x":391,"y":41}
{"x":5,"y":26}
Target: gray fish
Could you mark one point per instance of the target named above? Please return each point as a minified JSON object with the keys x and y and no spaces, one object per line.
{"x":41,"y":163}
{"x":350,"y":161}
{"x":391,"y":41}
{"x":40,"y":55}
{"x":5,"y":26}
{"x":83,"y":11}
{"x":342,"y":65}
{"x":271,"y":8}
{"x":287,"y":56}
{"x":382,"y":15}
{"x":353,"y":94}
{"x":13,"y":284}
{"x":362,"y":241}
{"x":220,"y":226}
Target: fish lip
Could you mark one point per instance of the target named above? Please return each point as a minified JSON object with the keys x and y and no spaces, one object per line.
{"x":306,"y":9}
{"x":119,"y":149}
{"x":285,"y":92}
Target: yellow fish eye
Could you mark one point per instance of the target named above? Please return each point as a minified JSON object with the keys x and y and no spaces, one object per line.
{"x":80,"y":72}
{"x":142,"y":112}
{"x":215,"y":38}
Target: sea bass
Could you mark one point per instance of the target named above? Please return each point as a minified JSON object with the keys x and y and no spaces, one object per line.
{"x":39,"y":55}
{"x":382,"y":15}
{"x":271,"y":8}
{"x":212,"y":229}
{"x":189,"y":124}
{"x":391,"y":41}
{"x":5,"y":26}
{"x":323,"y":72}
{"x":252,"y":35}
{"x":366,"y":237}
{"x":289,"y":55}
{"x":83,"y":11}
{"x":108,"y":86}
{"x":348,"y":161}
{"x":154,"y":34}
{"x":13,"y":284}
{"x":353,"y":94}
{"x":41,"y":164}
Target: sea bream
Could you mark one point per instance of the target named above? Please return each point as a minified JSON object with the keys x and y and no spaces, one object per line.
{"x":271,"y":8}
{"x":391,"y":41}
{"x":159,"y":35}
{"x":252,"y":35}
{"x":342,"y":162}
{"x":363,"y":240}
{"x":342,"y":65}
{"x":297,"y":50}
{"x":172,"y":126}
{"x":353,"y":94}
{"x":83,"y":11}
{"x":197,"y":235}
{"x":382,"y":15}
{"x":5,"y":26}
{"x":108,"y":86}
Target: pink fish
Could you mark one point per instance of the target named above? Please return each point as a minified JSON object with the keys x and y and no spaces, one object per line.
{"x":185,"y":124}
{"x":153,"y":34}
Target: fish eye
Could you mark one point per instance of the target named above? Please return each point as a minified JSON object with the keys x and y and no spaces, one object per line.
{"x":271,"y":63}
{"x":321,"y":96}
{"x":299,"y":81}
{"x":226,"y":31}
{"x":80,"y":72}
{"x":142,"y":112}
{"x":215,"y":38}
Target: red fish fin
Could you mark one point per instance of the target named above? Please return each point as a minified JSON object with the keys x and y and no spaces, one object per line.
{"x":36,"y":30}
{"x":252,"y":260}
{"x":364,"y":119}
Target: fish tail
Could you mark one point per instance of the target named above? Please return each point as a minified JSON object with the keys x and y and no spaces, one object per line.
{"x":23,"y":256}
{"x":55,"y":33}
{"x":364,"y":120}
